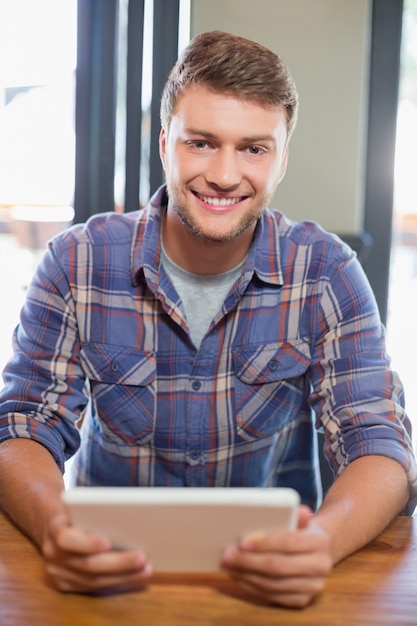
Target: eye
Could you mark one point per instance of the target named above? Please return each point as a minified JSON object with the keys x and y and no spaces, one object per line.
{"x":200,"y":144}
{"x":255,"y":150}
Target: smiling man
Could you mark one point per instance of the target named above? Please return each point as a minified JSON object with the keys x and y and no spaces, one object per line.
{"x":219,"y":177}
{"x":214,"y":335}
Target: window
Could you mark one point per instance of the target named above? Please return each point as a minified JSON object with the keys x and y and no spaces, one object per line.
{"x":37,"y":140}
{"x":402,"y":300}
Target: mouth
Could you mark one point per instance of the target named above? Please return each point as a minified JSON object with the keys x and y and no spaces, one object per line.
{"x":218,"y":201}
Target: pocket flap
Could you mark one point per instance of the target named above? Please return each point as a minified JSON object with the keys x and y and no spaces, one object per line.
{"x":118,"y":365}
{"x":268,"y":363}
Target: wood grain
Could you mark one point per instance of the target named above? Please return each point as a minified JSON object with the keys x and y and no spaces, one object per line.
{"x":376,"y":586}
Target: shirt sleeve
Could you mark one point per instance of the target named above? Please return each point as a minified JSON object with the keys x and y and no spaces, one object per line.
{"x":358,"y":399}
{"x":44,"y":385}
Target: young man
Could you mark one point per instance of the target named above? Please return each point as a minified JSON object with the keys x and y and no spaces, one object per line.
{"x":208,"y":328}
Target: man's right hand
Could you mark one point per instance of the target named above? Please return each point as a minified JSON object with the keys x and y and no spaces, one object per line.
{"x":80,"y":562}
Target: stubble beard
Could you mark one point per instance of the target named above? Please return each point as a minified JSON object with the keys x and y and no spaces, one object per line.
{"x":188,"y":221}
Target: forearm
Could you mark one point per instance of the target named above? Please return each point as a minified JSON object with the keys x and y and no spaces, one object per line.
{"x":30,"y":486}
{"x":367,"y":496}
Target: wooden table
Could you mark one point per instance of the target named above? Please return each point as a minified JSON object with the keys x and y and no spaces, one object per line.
{"x":376,"y":586}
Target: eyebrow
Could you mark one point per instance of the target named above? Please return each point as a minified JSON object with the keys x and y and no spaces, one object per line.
{"x":248,"y":139}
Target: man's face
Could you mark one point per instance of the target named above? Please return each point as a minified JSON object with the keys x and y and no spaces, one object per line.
{"x":223,"y":159}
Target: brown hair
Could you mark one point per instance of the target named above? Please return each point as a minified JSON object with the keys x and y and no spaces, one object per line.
{"x":235,"y":66}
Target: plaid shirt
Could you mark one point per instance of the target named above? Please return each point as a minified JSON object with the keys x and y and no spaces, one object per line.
{"x":298,"y":344}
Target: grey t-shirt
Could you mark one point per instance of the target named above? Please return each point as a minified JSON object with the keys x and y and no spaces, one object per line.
{"x":202,"y":295}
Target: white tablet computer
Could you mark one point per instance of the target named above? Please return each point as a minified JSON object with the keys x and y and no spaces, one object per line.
{"x":181,"y":529}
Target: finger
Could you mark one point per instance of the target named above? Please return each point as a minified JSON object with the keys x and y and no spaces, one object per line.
{"x":72,"y":539}
{"x":304,"y":516}
{"x":80,"y":582}
{"x":290,"y":585}
{"x":296,"y":600}
{"x":105,"y":563}
{"x":286,"y":542}
{"x":277,"y":565}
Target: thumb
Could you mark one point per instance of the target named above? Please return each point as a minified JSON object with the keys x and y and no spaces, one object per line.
{"x":304,"y":516}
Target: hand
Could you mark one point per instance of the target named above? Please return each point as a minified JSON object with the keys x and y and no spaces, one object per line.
{"x":284,"y":568}
{"x":80,"y":562}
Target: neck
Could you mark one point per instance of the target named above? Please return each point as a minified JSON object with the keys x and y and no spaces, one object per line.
{"x":200,"y":256}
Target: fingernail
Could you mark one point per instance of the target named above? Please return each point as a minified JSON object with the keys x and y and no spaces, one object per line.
{"x":140,"y":560}
{"x":229,"y":556}
{"x":147,"y":571}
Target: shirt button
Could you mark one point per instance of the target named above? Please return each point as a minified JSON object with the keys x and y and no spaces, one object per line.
{"x":272,"y":365}
{"x":194,"y":455}
{"x":114,"y":366}
{"x":196,"y":385}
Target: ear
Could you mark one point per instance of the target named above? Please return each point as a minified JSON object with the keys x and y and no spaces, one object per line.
{"x":162,"y":146}
{"x":283,"y":164}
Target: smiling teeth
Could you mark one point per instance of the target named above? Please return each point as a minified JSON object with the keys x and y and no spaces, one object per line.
{"x":219,"y":201}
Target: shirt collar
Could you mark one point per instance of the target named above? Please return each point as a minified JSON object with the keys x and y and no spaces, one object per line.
{"x":264,"y":256}
{"x":146,"y":243}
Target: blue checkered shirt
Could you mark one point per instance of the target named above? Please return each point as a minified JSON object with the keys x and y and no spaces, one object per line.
{"x":104,"y":364}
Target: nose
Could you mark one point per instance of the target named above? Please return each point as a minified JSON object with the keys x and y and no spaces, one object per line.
{"x":224,"y":169}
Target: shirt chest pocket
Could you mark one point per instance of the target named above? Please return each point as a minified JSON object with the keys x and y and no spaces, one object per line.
{"x":122,"y":382}
{"x":271,"y":385}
